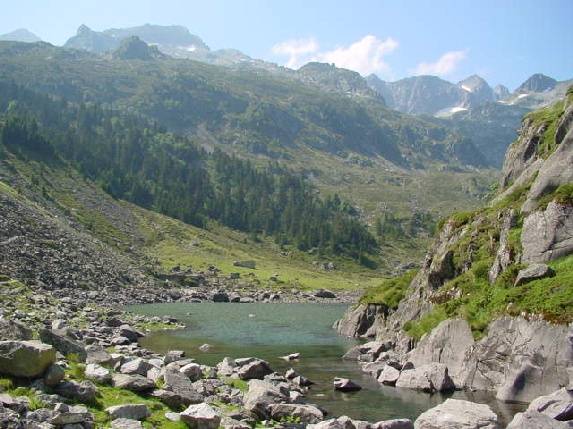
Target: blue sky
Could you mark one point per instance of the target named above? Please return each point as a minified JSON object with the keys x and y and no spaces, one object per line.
{"x":505,"y":41}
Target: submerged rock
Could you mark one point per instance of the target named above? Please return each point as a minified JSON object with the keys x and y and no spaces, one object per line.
{"x":345,"y":385}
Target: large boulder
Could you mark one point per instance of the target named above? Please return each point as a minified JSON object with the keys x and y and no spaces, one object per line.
{"x":389,"y":376}
{"x":84,"y":391}
{"x":345,"y":385}
{"x":558,"y":405}
{"x":362,"y":320}
{"x":134,"y":383}
{"x":548,"y":234}
{"x":201,"y":416}
{"x":181,"y":385}
{"x":125,"y":424}
{"x":136,"y":366}
{"x":14,"y":330}
{"x":458,"y":414}
{"x":447,"y":343}
{"x":257,"y":368}
{"x":98,"y":355}
{"x":260,"y":396}
{"x":536,"y":420}
{"x":432,"y":377}
{"x":98,"y":373}
{"x":533,"y":272}
{"x":25,"y":358}
{"x":520,"y":359}
{"x":63,"y":343}
{"x":393,"y":424}
{"x":303,"y":412}
{"x":128,"y":411}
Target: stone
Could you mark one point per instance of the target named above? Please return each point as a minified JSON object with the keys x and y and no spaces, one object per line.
{"x":257,"y":368}
{"x":536,"y":420}
{"x":14,"y":330}
{"x":201,"y":416}
{"x":130,"y":333}
{"x":245,"y":264}
{"x":292,"y":356}
{"x":67,"y":415}
{"x":126,"y":424}
{"x":345,"y":385}
{"x":169,"y":398}
{"x":25,"y":358}
{"x":303,"y":412}
{"x":192,"y":371}
{"x":389,"y":376}
{"x":361,"y":321}
{"x":84,"y":391}
{"x":134,"y":383}
{"x":128,"y":411}
{"x":53,"y":375}
{"x":323,"y":293}
{"x":447,"y":343}
{"x":339,"y":423}
{"x":98,"y":355}
{"x":226,"y":367}
{"x":205,"y":348}
{"x":430,"y":378}
{"x":220,"y":297}
{"x":178,"y":383}
{"x":136,"y":366}
{"x":458,"y":414}
{"x":62,"y":343}
{"x":558,"y":405}
{"x":98,"y":373}
{"x":173,"y":356}
{"x":547,"y":235}
{"x":393,"y":424}
{"x":533,"y":272}
{"x":260,"y":396}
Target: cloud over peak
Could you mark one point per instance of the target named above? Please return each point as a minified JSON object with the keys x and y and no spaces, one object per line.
{"x":443,"y":66}
{"x":364,"y":56}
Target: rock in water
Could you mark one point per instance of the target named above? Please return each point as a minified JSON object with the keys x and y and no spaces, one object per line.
{"x":257,"y":368}
{"x":558,"y":405}
{"x":346,"y":385}
{"x":428,"y":378}
{"x":25,"y":358}
{"x":536,"y":420}
{"x":457,"y":414}
{"x":201,"y":416}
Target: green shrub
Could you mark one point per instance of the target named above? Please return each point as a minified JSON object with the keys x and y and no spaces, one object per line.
{"x":390,"y":292}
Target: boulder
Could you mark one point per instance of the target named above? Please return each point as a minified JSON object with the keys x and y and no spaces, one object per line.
{"x":136,"y":366}
{"x":533,"y":272}
{"x":171,"y":399}
{"x":324,"y":293}
{"x":53,"y":375}
{"x":361,"y":321}
{"x":226,"y":367}
{"x":14,"y":330}
{"x":25,"y":358}
{"x":257,"y":368}
{"x":68,"y":415}
{"x":98,"y":355}
{"x":432,"y":377}
{"x":447,"y":343}
{"x":134,"y":383}
{"x":192,"y":371}
{"x":389,"y":376}
{"x":304,"y":413}
{"x":260,"y":396}
{"x":458,"y":414}
{"x":126,"y":424}
{"x":558,"y":405}
{"x":536,"y":420}
{"x":84,"y":391}
{"x":98,"y":373}
{"x":178,"y":383}
{"x":393,"y":424}
{"x":220,"y":297}
{"x":63,"y":343}
{"x":345,"y":385}
{"x":130,"y":333}
{"x":173,"y":356}
{"x":201,"y":416}
{"x":128,"y":411}
{"x":339,"y":423}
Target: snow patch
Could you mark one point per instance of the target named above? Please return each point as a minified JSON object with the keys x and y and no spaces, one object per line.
{"x":467,"y":88}
{"x":457,"y":109}
{"x":522,"y":95}
{"x":191,"y":48}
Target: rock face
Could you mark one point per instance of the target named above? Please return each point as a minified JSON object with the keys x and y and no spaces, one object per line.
{"x":361,"y":321}
{"x":521,"y":360}
{"x":25,"y":358}
{"x":457,"y":414}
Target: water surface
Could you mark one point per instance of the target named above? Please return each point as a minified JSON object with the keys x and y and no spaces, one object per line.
{"x":269,"y":331}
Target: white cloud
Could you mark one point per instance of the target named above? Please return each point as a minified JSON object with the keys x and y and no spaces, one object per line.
{"x":445,"y":65}
{"x":297,"y":50}
{"x":364,"y":56}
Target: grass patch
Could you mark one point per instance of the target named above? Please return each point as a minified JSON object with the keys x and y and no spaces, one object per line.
{"x":236,"y":383}
{"x":390,"y":292}
{"x":548,"y":116}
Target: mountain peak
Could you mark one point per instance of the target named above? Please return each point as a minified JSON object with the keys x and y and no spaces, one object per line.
{"x":473,"y":83}
{"x":537,"y":82}
{"x":133,"y":48}
{"x":20,"y":35}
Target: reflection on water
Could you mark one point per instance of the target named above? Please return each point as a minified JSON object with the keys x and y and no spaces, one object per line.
{"x":269,"y":331}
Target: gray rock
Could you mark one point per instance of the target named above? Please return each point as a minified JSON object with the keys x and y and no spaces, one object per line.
{"x":53,"y":375}
{"x":324,"y":293}
{"x":126,"y":424}
{"x":305,"y":413}
{"x":25,"y":358}
{"x":389,"y":376}
{"x":361,"y":321}
{"x":558,"y":405}
{"x":226,"y":367}
{"x":339,"y":423}
{"x":432,"y":377}
{"x":192,"y":371}
{"x":393,"y":424}
{"x":178,"y":383}
{"x":130,"y":333}
{"x":260,"y":396}
{"x":98,"y":355}
{"x":220,"y":297}
{"x":536,"y":420}
{"x":257,"y":368}
{"x":458,"y":414}
{"x":547,"y":235}
{"x":84,"y":391}
{"x":128,"y":411}
{"x":63,"y":343}
{"x":447,"y":343}
{"x":173,"y":356}
{"x":136,"y":366}
{"x":345,"y":385}
{"x":98,"y":373}
{"x":533,"y":272}
{"x":134,"y":383}
{"x":171,"y":399}
{"x":14,"y":330}
{"x":67,"y":415}
{"x":201,"y":416}
{"x":505,"y":255}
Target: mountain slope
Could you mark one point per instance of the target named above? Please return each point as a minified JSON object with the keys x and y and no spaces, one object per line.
{"x":20,"y":35}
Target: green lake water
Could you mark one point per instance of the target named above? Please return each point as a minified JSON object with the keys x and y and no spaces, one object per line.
{"x":269,"y":331}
